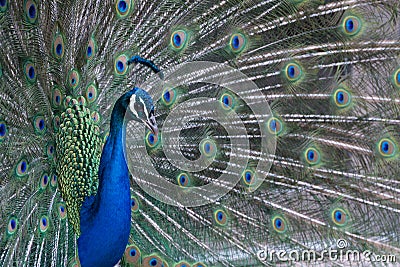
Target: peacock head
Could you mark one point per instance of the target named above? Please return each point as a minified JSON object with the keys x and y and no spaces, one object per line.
{"x":141,"y":108}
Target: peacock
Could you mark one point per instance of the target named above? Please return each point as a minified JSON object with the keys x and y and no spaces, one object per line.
{"x":199,"y":133}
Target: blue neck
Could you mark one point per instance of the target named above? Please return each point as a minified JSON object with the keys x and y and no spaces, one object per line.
{"x":105,"y":218}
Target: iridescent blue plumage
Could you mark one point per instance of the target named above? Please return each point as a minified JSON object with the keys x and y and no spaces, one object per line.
{"x":106,"y":217}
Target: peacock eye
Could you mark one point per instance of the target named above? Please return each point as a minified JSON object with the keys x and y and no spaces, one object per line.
{"x":312,"y":156}
{"x":123,"y":8}
{"x":132,"y":254}
{"x":3,"y":5}
{"x":342,"y":98}
{"x":31,"y":11}
{"x":179,"y":39}
{"x":351,"y":25}
{"x":237,"y":42}
{"x":220,"y":217}
{"x":279,"y":224}
{"x":58,"y":46}
{"x":139,"y":109}
{"x":91,"y":49}
{"x":121,"y":65}
{"x":387,"y":148}
{"x":293,"y":72}
{"x":339,"y":217}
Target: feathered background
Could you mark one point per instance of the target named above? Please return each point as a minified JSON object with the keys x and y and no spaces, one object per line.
{"x":327,"y":72}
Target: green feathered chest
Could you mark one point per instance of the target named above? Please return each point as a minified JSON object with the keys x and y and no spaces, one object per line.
{"x":79,"y":149}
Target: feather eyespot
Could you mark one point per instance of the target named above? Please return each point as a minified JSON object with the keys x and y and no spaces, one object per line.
{"x":91,"y":49}
{"x":227,"y":101}
{"x":12,"y":225}
{"x":293,"y":72}
{"x":3,"y":5}
{"x":169,"y":96}
{"x":53,"y":181}
{"x":56,"y":97}
{"x":279,"y":224}
{"x":199,"y":264}
{"x":74,"y":78}
{"x":44,"y":180}
{"x":62,"y":212}
{"x":179,"y":39}
{"x":91,"y":93}
{"x":220,"y":217}
{"x":120,"y":65}
{"x":43,"y":224}
{"x":31,"y":11}
{"x":342,"y":98}
{"x":274,"y":126}
{"x":21,"y":169}
{"x":123,"y":8}
{"x":387,"y":148}
{"x":153,"y":261}
{"x":312,"y":156}
{"x":132,"y":254}
{"x":237,"y":42}
{"x":208,"y":148}
{"x":339,"y":217}
{"x":50,"y":150}
{"x":134,"y":204}
{"x":39,"y":124}
{"x":351,"y":25}
{"x":30,"y":72}
{"x":248,"y":177}
{"x":152,"y":140}
{"x":183,"y":179}
{"x":56,"y":122}
{"x":59,"y":50}
{"x":3,"y":130}
{"x":58,"y":46}
{"x":89,"y":52}
{"x":95,"y":117}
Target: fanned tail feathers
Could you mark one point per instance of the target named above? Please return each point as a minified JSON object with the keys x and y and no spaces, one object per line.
{"x":326,"y":72}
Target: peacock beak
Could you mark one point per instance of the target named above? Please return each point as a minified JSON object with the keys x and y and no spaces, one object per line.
{"x":152,"y":125}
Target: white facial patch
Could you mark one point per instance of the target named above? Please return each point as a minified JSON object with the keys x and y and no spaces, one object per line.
{"x":132,"y":102}
{"x":144,"y":107}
